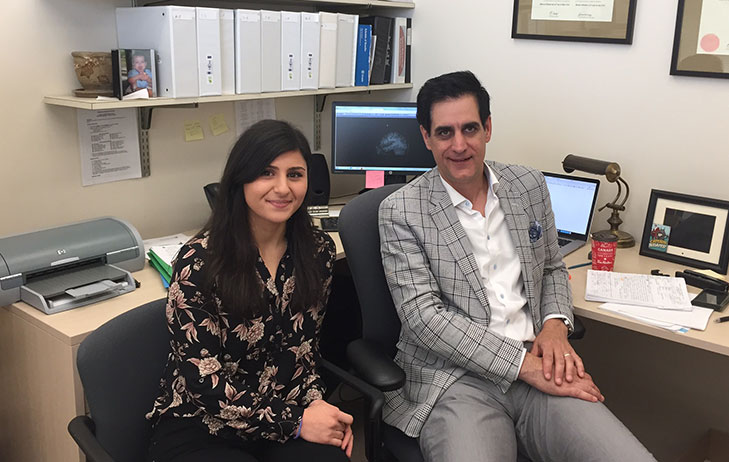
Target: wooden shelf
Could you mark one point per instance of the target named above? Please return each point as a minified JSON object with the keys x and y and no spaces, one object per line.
{"x":93,"y":104}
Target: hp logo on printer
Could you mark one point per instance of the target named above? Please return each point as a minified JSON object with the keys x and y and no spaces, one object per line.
{"x":61,"y":251}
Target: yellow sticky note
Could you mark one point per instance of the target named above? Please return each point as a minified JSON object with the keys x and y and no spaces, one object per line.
{"x":218,"y":125}
{"x":193,"y":131}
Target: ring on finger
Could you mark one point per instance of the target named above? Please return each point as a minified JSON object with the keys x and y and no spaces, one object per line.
{"x":567,"y":354}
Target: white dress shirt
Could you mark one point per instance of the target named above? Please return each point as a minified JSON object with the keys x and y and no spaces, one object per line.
{"x":497,"y":262}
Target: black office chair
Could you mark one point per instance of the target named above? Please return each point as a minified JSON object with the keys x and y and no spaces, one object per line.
{"x":211,"y":193}
{"x":120,"y":365}
{"x":371,"y":356}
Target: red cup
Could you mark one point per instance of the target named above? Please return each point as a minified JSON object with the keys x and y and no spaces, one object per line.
{"x":604,"y":246}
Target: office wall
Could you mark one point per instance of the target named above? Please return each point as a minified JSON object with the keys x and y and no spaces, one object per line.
{"x":610,"y":102}
{"x":40,"y":175}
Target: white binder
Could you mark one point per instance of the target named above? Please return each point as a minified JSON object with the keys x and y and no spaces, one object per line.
{"x":208,"y":51}
{"x":347,"y":25}
{"x":170,"y":31}
{"x":227,"y":52}
{"x":328,"y":50}
{"x":310,"y":34}
{"x":270,"y":51}
{"x":247,"y":51}
{"x":290,"y":50}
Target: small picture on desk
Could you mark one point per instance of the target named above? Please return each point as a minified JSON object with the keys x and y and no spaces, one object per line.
{"x":690,"y":230}
{"x":659,"y":237}
{"x":134,"y":70}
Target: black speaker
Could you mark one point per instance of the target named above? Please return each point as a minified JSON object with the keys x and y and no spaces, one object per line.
{"x":319,"y":180}
{"x":211,"y":193}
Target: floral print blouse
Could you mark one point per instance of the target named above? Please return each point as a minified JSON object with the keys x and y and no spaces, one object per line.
{"x":244,"y":378}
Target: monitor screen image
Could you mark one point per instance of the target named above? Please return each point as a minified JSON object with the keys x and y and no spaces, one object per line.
{"x":378,"y":136}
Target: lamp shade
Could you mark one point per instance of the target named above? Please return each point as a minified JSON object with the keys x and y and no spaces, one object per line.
{"x":611,"y":170}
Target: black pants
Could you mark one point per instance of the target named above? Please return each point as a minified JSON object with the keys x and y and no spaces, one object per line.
{"x":187,"y":440}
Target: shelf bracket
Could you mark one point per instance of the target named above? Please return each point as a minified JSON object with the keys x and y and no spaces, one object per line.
{"x":144,"y":117}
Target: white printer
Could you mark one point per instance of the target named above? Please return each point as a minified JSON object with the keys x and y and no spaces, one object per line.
{"x":61,"y":268}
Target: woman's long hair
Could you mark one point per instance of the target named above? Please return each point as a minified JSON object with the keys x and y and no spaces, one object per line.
{"x":232,"y":252}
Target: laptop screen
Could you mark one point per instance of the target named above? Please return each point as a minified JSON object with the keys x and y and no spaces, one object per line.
{"x":573,"y":202}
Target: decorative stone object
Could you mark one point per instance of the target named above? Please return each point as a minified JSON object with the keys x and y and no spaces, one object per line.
{"x":93,"y":70}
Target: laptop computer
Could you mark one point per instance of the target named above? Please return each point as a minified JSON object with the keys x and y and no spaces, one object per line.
{"x":573,"y":202}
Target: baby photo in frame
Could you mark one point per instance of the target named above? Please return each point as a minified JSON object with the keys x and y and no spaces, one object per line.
{"x":134,"y":70}
{"x":690,"y":230}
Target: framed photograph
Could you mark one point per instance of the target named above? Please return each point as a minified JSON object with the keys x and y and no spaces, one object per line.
{"x":134,"y":70}
{"x":606,"y":21}
{"x":701,"y":41}
{"x":690,"y":230}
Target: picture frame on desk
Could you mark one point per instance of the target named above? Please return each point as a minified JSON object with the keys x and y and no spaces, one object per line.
{"x":701,"y":40}
{"x":697,"y":230}
{"x":611,"y":21}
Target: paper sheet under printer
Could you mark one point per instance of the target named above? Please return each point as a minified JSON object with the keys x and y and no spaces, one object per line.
{"x":61,"y":268}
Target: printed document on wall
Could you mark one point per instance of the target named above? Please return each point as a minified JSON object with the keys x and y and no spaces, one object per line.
{"x":109,"y":145}
{"x":249,"y":112}
{"x":714,"y":28}
{"x":573,"y":10}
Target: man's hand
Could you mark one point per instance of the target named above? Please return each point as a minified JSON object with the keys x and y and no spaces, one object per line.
{"x":556,"y":352}
{"x":581,"y":387}
{"x":326,"y":424}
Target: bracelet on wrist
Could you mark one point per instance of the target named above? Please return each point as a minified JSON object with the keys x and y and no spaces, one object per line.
{"x":298,"y":432}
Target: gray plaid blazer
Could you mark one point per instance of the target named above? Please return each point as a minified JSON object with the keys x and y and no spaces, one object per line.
{"x":440,"y":297}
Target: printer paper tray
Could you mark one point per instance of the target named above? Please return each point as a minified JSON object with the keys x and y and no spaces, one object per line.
{"x":53,"y":285}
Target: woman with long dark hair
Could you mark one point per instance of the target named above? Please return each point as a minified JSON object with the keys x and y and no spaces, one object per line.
{"x":244,"y":311}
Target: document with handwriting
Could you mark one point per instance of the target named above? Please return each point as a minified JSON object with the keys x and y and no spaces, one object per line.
{"x":638,"y":289}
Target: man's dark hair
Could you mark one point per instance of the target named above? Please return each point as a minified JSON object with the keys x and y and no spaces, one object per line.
{"x":451,"y":86}
{"x":231,"y":248}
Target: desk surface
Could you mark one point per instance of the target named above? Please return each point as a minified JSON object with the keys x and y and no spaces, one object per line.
{"x":715,"y":338}
{"x":71,"y":327}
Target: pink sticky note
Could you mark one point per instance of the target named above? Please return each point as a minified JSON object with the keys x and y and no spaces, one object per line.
{"x":374,"y":179}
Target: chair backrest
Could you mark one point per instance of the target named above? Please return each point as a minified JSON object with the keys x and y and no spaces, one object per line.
{"x":211,"y":193}
{"x":120,"y":365}
{"x":361,"y":239}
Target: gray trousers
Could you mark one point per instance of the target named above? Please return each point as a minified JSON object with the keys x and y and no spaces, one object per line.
{"x":474,"y":421}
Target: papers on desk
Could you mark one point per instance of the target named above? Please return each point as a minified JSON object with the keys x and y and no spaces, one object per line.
{"x":656,"y":300}
{"x":161,"y":252}
{"x":677,"y":321}
{"x":638,"y":289}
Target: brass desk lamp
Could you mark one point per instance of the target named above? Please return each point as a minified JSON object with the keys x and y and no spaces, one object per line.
{"x":611,"y":170}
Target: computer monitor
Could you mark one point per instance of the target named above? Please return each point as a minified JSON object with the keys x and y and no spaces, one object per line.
{"x":378,"y":136}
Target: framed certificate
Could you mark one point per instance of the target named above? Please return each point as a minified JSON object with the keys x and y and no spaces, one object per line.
{"x":701,"y":41}
{"x":606,"y":21}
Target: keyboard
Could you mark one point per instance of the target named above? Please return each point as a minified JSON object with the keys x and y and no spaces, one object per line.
{"x":318,"y":210}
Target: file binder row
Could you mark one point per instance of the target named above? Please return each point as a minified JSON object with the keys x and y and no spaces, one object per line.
{"x":254,"y":51}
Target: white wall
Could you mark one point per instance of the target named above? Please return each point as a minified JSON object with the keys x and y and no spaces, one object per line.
{"x":612,"y":102}
{"x":607,"y":101}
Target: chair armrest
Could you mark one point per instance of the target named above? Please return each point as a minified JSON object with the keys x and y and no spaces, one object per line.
{"x":374,"y":366}
{"x":375,"y":400}
{"x":82,"y":430}
{"x":579,"y":329}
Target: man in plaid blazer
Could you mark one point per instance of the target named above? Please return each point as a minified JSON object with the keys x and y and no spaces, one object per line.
{"x":471,"y":258}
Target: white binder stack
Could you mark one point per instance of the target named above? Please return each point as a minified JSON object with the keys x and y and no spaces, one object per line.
{"x":310,"y":34}
{"x":170,"y":31}
{"x":290,"y":50}
{"x":227,"y":52}
{"x":328,"y":50}
{"x":247,"y":51}
{"x":347,"y":25}
{"x":270,"y":51}
{"x":208,"y":51}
